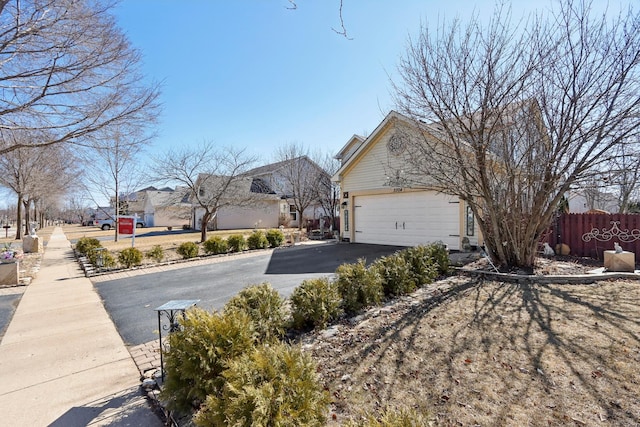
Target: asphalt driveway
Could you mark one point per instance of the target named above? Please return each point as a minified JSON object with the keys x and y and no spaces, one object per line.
{"x":131,"y":302}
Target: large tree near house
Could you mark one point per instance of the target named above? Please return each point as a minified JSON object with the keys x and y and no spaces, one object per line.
{"x":513,"y":112}
{"x":215,"y":176}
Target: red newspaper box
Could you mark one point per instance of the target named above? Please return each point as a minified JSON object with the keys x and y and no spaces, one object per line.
{"x":126,"y":225}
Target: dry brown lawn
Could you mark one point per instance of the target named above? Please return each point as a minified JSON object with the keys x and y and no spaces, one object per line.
{"x":469,"y":352}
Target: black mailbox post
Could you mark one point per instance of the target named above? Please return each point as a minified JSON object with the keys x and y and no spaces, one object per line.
{"x":171,"y":310}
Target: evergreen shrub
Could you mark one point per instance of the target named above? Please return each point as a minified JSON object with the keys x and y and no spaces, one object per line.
{"x":130,"y":257}
{"x":396,"y":275}
{"x":85,"y":245}
{"x":315,"y":303}
{"x":188,"y":250}
{"x":265,"y":307}
{"x":272,"y":385}
{"x":199,"y":352}
{"x":358,"y":286}
{"x":236,"y":242}
{"x":257,"y":240}
{"x":156,"y":253}
{"x":275,"y":237}
{"x":215,"y":245}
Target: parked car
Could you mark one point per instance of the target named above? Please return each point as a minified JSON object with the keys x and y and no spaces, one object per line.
{"x":107,"y":224}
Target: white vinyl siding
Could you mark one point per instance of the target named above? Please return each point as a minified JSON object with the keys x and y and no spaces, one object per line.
{"x":372,"y":170}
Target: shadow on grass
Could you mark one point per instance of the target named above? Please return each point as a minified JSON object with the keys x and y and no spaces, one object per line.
{"x":501,"y":354}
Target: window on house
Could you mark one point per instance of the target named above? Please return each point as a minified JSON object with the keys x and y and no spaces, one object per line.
{"x":201,"y":192}
{"x":470,"y":224}
{"x":293,"y":213}
{"x":346,"y":220}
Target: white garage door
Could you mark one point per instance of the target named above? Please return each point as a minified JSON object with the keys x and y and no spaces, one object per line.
{"x":407,"y":219}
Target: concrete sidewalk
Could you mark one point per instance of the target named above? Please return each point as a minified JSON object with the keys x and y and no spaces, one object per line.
{"x":62,"y":362}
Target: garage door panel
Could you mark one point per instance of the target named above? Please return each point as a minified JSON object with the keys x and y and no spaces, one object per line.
{"x":406,"y":219}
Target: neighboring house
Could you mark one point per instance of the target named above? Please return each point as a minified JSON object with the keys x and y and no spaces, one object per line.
{"x":380,"y":206}
{"x":586,"y":199}
{"x":250,"y":203}
{"x":273,"y":176}
{"x":167,"y":208}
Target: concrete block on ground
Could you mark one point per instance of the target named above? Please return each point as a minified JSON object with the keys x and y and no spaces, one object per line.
{"x":9,"y":273}
{"x":32,"y":244}
{"x":622,"y":261}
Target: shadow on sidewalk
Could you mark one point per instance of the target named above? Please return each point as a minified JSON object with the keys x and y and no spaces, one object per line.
{"x":126,"y":408}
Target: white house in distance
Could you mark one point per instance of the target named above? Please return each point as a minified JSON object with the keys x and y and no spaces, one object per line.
{"x":259,"y":207}
{"x":167,"y":208}
{"x":380,"y":207}
{"x":274,"y":175}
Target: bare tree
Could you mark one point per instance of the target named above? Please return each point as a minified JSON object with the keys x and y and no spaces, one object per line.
{"x":215,"y":177}
{"x":67,"y":71}
{"x":329,"y":191}
{"x":511,"y":115}
{"x":113,"y":166}
{"x":301,"y":181}
{"x":35,"y":175}
{"x":624,"y":173}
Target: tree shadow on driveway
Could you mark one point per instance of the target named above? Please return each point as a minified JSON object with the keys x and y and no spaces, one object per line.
{"x":324,"y":257}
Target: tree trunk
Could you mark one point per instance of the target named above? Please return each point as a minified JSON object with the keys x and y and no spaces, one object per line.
{"x":203,"y":227}
{"x":19,"y":218}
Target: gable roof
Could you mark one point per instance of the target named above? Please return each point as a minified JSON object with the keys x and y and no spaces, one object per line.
{"x":241,"y":186}
{"x":274,"y":167}
{"x":354,"y":149}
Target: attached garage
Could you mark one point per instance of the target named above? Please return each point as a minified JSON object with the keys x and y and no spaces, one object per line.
{"x":407,"y":219}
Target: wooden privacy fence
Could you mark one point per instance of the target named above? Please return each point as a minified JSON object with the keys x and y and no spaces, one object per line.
{"x":589,"y":235}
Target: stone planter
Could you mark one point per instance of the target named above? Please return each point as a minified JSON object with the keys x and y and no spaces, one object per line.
{"x":9,"y":273}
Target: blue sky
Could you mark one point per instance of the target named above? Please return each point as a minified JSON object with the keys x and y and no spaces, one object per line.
{"x":254,"y":74}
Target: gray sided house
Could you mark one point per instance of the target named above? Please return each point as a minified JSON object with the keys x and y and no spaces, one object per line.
{"x":167,"y":208}
{"x":274,"y":176}
{"x":246,"y":203}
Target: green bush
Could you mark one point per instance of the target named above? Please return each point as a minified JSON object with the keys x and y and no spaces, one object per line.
{"x":236,"y":243}
{"x":108,"y":260}
{"x":216,"y":245}
{"x":188,"y":250}
{"x":274,"y":385}
{"x":424,"y":268}
{"x":393,"y":418}
{"x":130,"y":257}
{"x":156,"y":253}
{"x":86,"y":244}
{"x":257,"y":240}
{"x":265,"y":307}
{"x":397,"y":277}
{"x":275,"y":237}
{"x":358,"y":286}
{"x":315,"y":303}
{"x":438,"y":252}
{"x":199,"y":352}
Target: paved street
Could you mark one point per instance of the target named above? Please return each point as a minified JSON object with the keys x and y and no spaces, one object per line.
{"x":131,"y":301}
